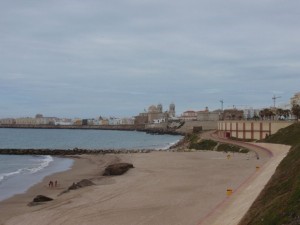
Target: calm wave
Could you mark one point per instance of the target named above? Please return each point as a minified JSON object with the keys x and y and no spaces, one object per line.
{"x":88,"y":139}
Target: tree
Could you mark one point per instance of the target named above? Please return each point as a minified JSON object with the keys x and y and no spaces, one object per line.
{"x":266,"y":114}
{"x":279,"y":112}
{"x":296,"y":110}
{"x":286,"y":113}
{"x":282,"y":113}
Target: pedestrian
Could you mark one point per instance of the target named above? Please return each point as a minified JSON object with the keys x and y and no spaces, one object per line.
{"x":55,"y":184}
{"x":51,"y":184}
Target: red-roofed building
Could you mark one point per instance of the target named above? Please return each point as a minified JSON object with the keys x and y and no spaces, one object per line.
{"x":189,"y":115}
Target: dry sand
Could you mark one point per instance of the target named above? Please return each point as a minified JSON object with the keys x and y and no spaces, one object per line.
{"x":164,"y":188}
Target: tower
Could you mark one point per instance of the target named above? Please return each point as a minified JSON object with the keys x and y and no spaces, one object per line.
{"x":159,"y":108}
{"x":172,"y":110}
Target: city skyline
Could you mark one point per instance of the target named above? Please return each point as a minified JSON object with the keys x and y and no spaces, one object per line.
{"x":84,"y":59}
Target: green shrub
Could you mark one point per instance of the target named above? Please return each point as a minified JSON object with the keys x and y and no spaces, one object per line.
{"x":203,"y":145}
{"x":231,"y":148}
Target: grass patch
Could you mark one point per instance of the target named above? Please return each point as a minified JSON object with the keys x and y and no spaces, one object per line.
{"x":231,"y":148}
{"x":203,"y":145}
{"x":192,"y":138}
{"x":289,"y":135}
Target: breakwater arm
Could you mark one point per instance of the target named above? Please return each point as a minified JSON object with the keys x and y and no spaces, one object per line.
{"x":140,"y":128}
{"x":90,"y":127}
{"x":75,"y":151}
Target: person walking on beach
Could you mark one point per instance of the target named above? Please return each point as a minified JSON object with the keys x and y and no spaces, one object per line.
{"x":55,"y":184}
{"x":51,"y":184}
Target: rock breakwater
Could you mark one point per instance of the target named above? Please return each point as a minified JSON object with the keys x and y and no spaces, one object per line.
{"x":75,"y":151}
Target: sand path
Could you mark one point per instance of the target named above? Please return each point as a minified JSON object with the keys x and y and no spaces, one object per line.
{"x":231,"y":210}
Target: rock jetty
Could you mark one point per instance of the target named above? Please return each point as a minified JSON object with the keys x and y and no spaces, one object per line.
{"x":75,"y":151}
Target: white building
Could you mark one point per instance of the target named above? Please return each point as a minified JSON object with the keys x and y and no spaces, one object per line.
{"x":251,"y":113}
{"x":157,"y":121}
{"x":127,"y":121}
{"x":7,"y":121}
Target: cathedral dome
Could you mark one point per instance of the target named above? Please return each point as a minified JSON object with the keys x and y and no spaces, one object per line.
{"x":152,"y":109}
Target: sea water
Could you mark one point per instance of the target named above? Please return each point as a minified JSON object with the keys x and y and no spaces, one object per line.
{"x":19,"y":172}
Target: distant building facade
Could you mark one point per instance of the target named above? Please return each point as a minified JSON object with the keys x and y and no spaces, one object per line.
{"x":46,"y":120}
{"x":77,"y":122}
{"x":7,"y":121}
{"x":64,"y":122}
{"x":206,"y":115}
{"x":25,"y":121}
{"x":251,"y":113}
{"x":141,"y":119}
{"x":155,"y":115}
{"x":233,"y":114}
{"x":189,"y":115}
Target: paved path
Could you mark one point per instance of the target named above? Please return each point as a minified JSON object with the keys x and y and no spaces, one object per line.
{"x":231,"y":210}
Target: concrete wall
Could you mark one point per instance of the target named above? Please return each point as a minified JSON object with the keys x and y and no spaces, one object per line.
{"x":251,"y":129}
{"x":208,"y":116}
{"x":206,"y":125}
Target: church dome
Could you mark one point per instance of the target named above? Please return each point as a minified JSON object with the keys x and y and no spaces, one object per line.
{"x":152,"y":108}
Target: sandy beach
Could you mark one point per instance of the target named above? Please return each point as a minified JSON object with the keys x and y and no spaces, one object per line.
{"x":164,"y":188}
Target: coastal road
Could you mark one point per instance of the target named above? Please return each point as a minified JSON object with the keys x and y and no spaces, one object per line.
{"x":231,"y":210}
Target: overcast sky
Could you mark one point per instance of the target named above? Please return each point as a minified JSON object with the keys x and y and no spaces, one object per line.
{"x":71,"y":58}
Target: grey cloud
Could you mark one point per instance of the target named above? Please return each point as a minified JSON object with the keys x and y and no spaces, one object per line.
{"x":121,"y":56}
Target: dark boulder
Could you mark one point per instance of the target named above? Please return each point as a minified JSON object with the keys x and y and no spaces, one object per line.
{"x":42,"y":198}
{"x":117,"y":169}
{"x":39,"y":199}
{"x":81,"y":184}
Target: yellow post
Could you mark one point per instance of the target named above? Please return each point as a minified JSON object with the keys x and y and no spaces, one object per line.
{"x":229,"y":192}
